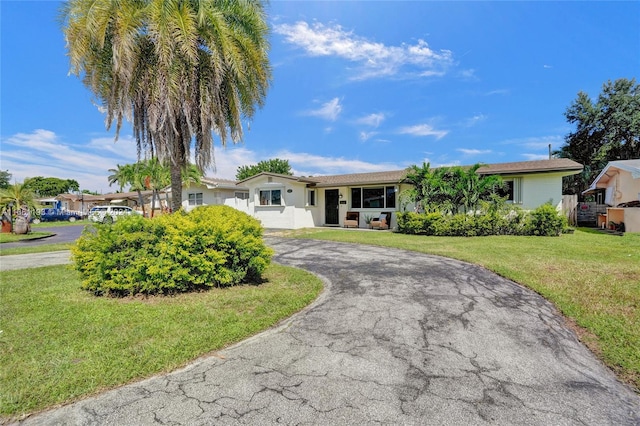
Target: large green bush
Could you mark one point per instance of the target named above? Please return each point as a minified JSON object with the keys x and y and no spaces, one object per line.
{"x":546,"y":221}
{"x":543,"y":221}
{"x":211,"y":246}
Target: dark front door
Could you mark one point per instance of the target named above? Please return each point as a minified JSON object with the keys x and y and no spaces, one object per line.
{"x":331,"y":201}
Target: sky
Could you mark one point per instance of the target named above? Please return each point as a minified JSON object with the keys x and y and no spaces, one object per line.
{"x":358,"y":86}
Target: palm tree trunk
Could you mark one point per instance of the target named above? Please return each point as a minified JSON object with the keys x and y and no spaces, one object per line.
{"x":141,"y":201}
{"x":176,"y":187}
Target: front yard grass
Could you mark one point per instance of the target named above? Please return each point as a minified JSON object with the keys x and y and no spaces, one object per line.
{"x":593,"y":279}
{"x":59,"y":343}
{"x":12,"y":238}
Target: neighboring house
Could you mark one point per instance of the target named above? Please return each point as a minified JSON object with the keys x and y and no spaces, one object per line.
{"x":292,"y":202}
{"x":211,"y":191}
{"x":618,"y":185}
{"x":84,"y":202}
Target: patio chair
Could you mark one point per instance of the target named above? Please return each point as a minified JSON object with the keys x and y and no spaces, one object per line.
{"x":382,"y":222}
{"x":352,"y":220}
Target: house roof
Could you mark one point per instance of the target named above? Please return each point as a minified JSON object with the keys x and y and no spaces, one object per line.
{"x":212,"y":183}
{"x":393,"y":176}
{"x":396,"y":176}
{"x":631,"y":166}
{"x":268,"y":174}
{"x":539,"y":166}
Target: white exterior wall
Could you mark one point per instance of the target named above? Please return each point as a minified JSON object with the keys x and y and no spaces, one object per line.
{"x":292,"y":214}
{"x":212,"y":197}
{"x":540,"y":189}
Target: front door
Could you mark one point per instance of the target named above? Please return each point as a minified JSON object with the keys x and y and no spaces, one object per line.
{"x":331,"y":205}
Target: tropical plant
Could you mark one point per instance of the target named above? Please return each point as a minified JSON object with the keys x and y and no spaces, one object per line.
{"x":21,"y":196}
{"x":447,"y":189}
{"x":129,"y":174}
{"x":180,"y":69}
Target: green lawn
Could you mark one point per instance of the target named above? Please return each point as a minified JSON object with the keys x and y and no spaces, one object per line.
{"x":60,"y":223}
{"x":593,"y":278}
{"x":59,"y":343}
{"x":12,"y":238}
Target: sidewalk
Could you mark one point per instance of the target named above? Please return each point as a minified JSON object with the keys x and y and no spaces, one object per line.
{"x":34,"y":260}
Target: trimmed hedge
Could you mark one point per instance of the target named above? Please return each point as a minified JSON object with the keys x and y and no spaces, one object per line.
{"x":212,"y":246}
{"x":543,"y":221}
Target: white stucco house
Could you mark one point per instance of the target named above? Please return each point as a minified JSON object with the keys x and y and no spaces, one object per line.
{"x":619,"y":182}
{"x":291,"y":202}
{"x":212,"y":191}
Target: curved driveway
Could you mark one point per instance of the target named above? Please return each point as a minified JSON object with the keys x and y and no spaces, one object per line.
{"x":397,"y":338}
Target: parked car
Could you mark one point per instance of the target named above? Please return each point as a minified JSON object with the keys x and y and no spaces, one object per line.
{"x":109,"y":214}
{"x":52,"y":215}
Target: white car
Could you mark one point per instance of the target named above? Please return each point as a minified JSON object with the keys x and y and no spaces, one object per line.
{"x":109,"y":214}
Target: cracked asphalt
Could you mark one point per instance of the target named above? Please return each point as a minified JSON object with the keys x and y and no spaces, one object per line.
{"x":396,"y":338}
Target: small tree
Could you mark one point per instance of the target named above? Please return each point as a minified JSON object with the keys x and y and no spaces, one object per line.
{"x":275,"y":165}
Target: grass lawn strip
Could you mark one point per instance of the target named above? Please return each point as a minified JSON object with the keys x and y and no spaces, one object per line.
{"x":44,"y":248}
{"x":59,"y":343}
{"x":593,"y":279}
{"x":12,"y":238}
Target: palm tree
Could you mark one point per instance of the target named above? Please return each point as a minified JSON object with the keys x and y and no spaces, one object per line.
{"x":180,"y":69}
{"x":129,"y":174}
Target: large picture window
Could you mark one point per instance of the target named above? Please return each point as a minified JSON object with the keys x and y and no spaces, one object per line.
{"x":195,"y":199}
{"x":271,"y":197}
{"x":383,"y":197}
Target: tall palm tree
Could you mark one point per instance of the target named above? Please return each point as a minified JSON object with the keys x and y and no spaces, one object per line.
{"x":181,"y":69}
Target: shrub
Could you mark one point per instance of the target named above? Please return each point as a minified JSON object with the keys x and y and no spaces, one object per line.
{"x":543,"y":221}
{"x":546,"y":221}
{"x":211,"y":246}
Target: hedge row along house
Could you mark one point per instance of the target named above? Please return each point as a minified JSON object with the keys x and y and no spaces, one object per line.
{"x":292,"y":202}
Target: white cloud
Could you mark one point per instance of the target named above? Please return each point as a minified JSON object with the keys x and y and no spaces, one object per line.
{"x":537,"y":142}
{"x":375,"y":59}
{"x":423,"y":130}
{"x":365,"y":136}
{"x":373,"y":120}
{"x":472,"y":121}
{"x":328,"y":111}
{"x":42,"y":153}
{"x":497,"y":92}
{"x":533,"y":157}
{"x":466,"y":151}
{"x":305,"y":164}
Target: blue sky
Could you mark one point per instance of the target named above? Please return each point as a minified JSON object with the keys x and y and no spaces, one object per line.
{"x":357,"y":86}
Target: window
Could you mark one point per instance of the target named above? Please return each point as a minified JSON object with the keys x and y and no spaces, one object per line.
{"x":512,"y":190}
{"x":356,"y":198}
{"x":272,"y":197}
{"x":311,"y":197}
{"x":195,"y":199}
{"x":373,"y":198}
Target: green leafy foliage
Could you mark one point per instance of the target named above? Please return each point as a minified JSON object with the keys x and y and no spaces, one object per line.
{"x":275,"y":165}
{"x":449,"y":189}
{"x":212,"y":246}
{"x":546,"y":221}
{"x":543,"y":221}
{"x":50,"y":186}
{"x":606,"y":129}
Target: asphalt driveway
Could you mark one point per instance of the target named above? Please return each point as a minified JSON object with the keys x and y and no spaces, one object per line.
{"x":396,"y":338}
